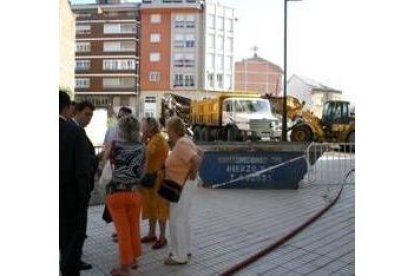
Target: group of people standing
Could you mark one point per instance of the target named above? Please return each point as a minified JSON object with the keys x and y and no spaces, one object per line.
{"x":138,"y":153}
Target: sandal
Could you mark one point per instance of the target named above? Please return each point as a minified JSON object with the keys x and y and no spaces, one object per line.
{"x":148,"y":239}
{"x":188,"y":254}
{"x":160,"y":244}
{"x":120,"y":272}
{"x":171,"y":261}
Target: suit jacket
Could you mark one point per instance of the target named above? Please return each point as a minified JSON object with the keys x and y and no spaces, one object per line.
{"x":74,"y":169}
{"x":93,"y":159}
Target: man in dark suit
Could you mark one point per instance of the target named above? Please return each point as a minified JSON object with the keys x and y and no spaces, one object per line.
{"x":74,"y":170}
{"x":83,"y":113}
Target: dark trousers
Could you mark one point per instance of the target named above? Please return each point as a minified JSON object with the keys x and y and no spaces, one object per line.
{"x":71,"y":239}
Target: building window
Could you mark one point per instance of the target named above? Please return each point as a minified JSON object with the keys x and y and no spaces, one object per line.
{"x":178,"y":60}
{"x":83,"y":47}
{"x":119,"y":28}
{"x":189,"y":80}
{"x":227,"y":63}
{"x":211,"y":41}
{"x":82,"y":82}
{"x":184,"y":80}
{"x":154,"y":57}
{"x":184,"y":60}
{"x":189,"y":60}
{"x":119,"y":46}
{"x":118,"y":82}
{"x":220,"y":42}
{"x":154,"y":76}
{"x":150,"y":106}
{"x":155,"y":38}
{"x":83,"y":29}
{"x":190,"y":21}
{"x":210,"y":61}
{"x":211,"y":21}
{"x":220,"y":23}
{"x":210,"y":77}
{"x":118,"y":64}
{"x":179,"y":21}
{"x":178,"y":80}
{"x":155,"y":18}
{"x":220,"y":62}
{"x":83,"y":64}
{"x":220,"y":80}
{"x":229,"y":44}
{"x":189,"y":40}
{"x":179,"y":41}
{"x":227,"y":82}
{"x":146,"y":1}
{"x":229,"y":24}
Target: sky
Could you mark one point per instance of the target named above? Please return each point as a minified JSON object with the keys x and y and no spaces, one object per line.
{"x":318,"y":37}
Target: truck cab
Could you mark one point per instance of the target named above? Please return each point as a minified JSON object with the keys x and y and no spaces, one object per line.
{"x":249,"y":117}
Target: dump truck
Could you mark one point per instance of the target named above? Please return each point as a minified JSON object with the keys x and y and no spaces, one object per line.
{"x":336,"y":125}
{"x":228,"y":116}
{"x":234,"y":117}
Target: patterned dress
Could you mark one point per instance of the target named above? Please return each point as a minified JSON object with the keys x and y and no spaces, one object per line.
{"x":155,"y":207}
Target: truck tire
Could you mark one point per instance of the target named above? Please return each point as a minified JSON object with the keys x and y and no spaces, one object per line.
{"x":231,"y":133}
{"x":301,"y":133}
{"x":205,"y":134}
{"x":197,"y":133}
{"x":350,"y":139}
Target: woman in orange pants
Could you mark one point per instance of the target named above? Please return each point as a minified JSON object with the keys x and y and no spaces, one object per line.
{"x":123,"y":198}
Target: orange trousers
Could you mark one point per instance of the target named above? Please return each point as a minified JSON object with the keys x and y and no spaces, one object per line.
{"x":125,"y":208}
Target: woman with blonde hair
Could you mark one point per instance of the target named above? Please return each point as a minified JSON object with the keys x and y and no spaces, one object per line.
{"x":181,"y":165}
{"x":154,"y":207}
{"x":123,"y":199}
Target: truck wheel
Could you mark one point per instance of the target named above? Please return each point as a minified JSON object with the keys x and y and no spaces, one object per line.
{"x":197,"y":133}
{"x":231,"y":133}
{"x":301,"y":133}
{"x":205,"y":134}
{"x":350,"y":139}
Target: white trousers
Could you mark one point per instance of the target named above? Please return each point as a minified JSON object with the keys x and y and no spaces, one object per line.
{"x":180,"y":229}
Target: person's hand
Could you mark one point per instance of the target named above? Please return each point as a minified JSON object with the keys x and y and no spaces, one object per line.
{"x":193,"y":175}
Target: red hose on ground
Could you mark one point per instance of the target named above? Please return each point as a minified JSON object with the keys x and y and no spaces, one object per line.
{"x":278,"y":243}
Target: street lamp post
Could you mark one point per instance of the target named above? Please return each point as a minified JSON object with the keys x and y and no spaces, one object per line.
{"x":284,"y":118}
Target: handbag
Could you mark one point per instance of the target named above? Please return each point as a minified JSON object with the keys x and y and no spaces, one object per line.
{"x":170,"y":190}
{"x":148,"y":181}
{"x":106,"y":175}
{"x":106,"y":216}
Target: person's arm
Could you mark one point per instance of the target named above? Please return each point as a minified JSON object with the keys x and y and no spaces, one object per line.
{"x":107,"y":152}
{"x":82,"y":167}
{"x":195,"y":163}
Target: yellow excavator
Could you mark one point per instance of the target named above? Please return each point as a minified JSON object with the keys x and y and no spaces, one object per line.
{"x":336,"y":125}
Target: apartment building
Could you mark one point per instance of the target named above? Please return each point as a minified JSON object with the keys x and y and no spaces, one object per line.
{"x":66,"y":46}
{"x":186,"y":49}
{"x":107,"y":54}
{"x":260,"y":75}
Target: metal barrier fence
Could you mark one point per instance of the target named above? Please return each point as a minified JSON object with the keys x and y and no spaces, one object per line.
{"x":330,"y":163}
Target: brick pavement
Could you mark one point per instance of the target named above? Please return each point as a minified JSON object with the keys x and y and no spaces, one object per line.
{"x":231,"y":225}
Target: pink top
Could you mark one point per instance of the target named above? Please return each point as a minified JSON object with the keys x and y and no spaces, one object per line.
{"x":178,"y":163}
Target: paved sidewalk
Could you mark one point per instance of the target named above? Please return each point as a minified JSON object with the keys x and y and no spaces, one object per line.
{"x":227,"y":227}
{"x":326,"y":247}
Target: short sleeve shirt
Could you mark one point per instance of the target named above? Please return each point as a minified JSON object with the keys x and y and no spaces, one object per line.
{"x":178,"y":163}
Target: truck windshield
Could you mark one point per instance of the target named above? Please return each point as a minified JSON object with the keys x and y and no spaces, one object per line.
{"x":252,"y":106}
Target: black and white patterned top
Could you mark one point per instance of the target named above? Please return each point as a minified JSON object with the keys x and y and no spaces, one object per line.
{"x":128,"y":160}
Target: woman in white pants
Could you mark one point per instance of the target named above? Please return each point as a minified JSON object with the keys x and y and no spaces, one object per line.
{"x":181,"y":166}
